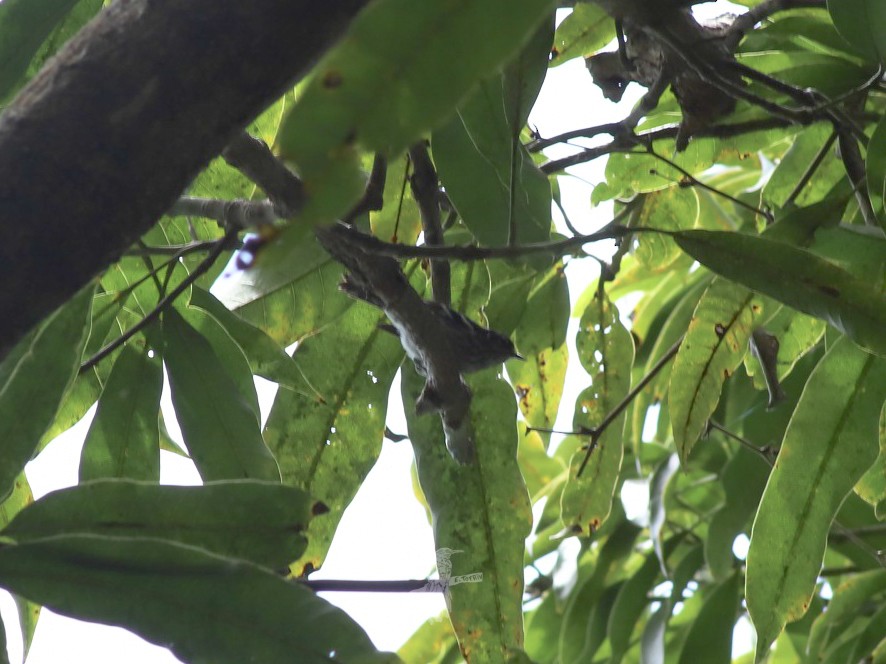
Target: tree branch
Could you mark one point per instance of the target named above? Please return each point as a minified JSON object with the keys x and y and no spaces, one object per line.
{"x":252,"y":157}
{"x":103,"y":140}
{"x":425,"y":189}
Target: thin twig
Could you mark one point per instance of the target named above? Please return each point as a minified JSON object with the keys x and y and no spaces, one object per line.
{"x":177,"y":250}
{"x":613,"y":414}
{"x":374,"y":195}
{"x":612,"y":230}
{"x":360,"y":586}
{"x":698,"y":183}
{"x":151,"y":316}
{"x":662,"y":133}
{"x":813,"y":166}
{"x":767,"y":453}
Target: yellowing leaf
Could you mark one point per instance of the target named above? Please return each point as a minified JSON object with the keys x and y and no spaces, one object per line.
{"x":830,"y":441}
{"x":714,"y":345}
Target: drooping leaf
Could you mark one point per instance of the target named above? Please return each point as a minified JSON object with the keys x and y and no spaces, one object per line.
{"x":265,"y":355}
{"x":876,"y":168}
{"x":489,"y":176}
{"x":547,"y":314}
{"x":28,"y":612}
{"x":34,"y":377}
{"x":872,"y":486}
{"x":848,"y":601}
{"x":714,"y":345}
{"x":262,"y":522}
{"x":606,"y":351}
{"x":327,"y":432}
{"x":219,"y":426}
{"x":228,"y":353}
{"x":743,"y":480}
{"x":831,"y":440}
{"x":123,"y":439}
{"x":180,"y":597}
{"x":576,"y":641}
{"x":632,"y":601}
{"x":710,"y":635}
{"x":795,"y":277}
{"x":481,"y":510}
{"x":393,"y":52}
{"x":538,"y":382}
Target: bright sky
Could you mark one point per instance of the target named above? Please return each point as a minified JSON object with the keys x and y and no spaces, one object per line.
{"x":384,"y":534}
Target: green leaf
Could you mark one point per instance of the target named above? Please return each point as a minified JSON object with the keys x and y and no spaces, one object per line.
{"x":538,"y":382}
{"x":34,"y":377}
{"x":395,"y":51}
{"x":123,"y":439}
{"x":673,"y":208}
{"x":481,"y":510}
{"x":524,"y":74}
{"x":300,"y":309}
{"x":743,"y":479}
{"x":711,"y":631}
{"x":863,"y":25}
{"x":831,"y":440}
{"x":24,"y":25}
{"x":28,"y":612}
{"x":714,"y":346}
{"x":795,"y":277}
{"x":848,"y":602}
{"x":632,"y":601}
{"x":180,"y":597}
{"x":872,"y":486}
{"x":230,"y":356}
{"x":576,"y":637}
{"x":876,"y":168}
{"x":606,"y":351}
{"x":262,"y":522}
{"x":399,"y":220}
{"x":790,"y":170}
{"x":430,"y":643}
{"x":327,"y":432}
{"x":279,"y":262}
{"x":584,"y":32}
{"x":218,"y":425}
{"x":489,"y":176}
{"x":266,"y":358}
{"x":547,"y":314}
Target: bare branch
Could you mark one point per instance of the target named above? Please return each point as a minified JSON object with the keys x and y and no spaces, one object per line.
{"x":252,"y":157}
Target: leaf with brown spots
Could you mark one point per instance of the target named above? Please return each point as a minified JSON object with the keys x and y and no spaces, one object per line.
{"x":798,"y":278}
{"x":715,"y":344}
{"x":606,"y":351}
{"x":830,"y":442}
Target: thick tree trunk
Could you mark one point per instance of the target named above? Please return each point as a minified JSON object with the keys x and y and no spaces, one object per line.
{"x":109,"y":134}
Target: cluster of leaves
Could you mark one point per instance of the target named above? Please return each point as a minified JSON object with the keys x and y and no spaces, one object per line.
{"x":760,"y":230}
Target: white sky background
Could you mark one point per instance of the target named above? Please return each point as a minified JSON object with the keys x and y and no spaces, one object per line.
{"x":384,"y":534}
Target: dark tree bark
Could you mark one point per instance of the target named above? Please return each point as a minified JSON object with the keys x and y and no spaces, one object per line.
{"x":111,"y":132}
